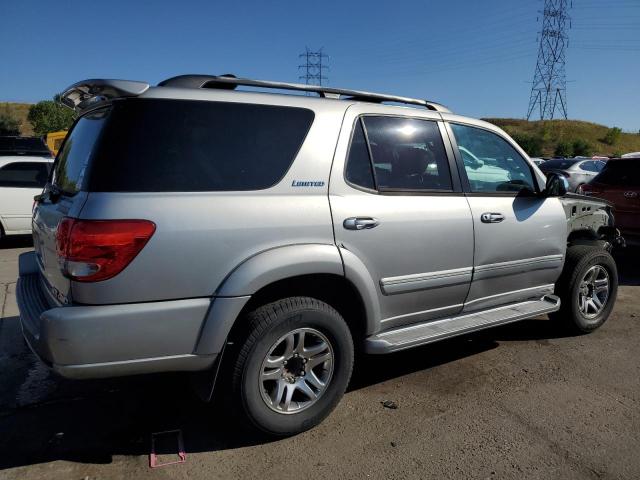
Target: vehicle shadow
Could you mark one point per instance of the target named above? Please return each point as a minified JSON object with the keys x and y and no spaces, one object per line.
{"x":91,"y":421}
{"x":628,"y":262}
{"x":16,"y":241}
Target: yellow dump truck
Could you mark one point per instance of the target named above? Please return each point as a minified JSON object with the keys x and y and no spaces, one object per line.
{"x":54,"y":140}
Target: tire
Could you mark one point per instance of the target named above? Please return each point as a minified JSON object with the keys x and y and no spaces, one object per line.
{"x":574,"y":288}
{"x":262,"y":387}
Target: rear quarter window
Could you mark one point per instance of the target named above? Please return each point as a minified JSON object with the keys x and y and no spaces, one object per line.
{"x":72,"y":161}
{"x":152,"y":145}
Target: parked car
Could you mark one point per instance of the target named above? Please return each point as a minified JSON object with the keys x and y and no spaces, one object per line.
{"x":619,"y":183}
{"x":538,"y":161}
{"x":192,"y":227}
{"x":577,"y":171}
{"x":480,"y":173}
{"x":25,"y":163}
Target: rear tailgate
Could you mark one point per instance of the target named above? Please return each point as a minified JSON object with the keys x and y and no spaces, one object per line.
{"x":626,"y":203}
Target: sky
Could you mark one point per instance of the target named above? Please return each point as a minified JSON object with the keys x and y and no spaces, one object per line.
{"x":475,"y":56}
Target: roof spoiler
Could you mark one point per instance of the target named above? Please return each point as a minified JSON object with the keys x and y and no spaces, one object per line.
{"x":88,"y":94}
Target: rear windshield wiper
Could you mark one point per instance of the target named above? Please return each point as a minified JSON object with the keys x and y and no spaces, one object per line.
{"x":52,"y":192}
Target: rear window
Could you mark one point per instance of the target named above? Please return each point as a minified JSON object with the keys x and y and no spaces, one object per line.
{"x":190,"y":146}
{"x":623,"y":173}
{"x":557,"y":164}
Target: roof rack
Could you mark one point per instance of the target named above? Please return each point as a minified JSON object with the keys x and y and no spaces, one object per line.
{"x":230,"y":82}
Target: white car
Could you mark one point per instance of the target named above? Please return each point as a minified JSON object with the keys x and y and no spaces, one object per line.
{"x":481,"y":172}
{"x":23,"y":174}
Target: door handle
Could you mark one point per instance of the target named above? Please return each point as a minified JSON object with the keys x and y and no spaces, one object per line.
{"x":360,"y":223}
{"x":491,"y":217}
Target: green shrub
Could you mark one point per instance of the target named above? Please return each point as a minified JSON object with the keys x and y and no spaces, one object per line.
{"x":612,"y":136}
{"x":9,"y":125}
{"x":582,"y":148}
{"x":530,"y":143}
{"x":49,"y":116}
{"x":564,"y":149}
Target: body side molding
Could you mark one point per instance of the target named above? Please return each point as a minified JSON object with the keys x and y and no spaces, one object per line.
{"x":425,"y":281}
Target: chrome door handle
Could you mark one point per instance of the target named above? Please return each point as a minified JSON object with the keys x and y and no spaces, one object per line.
{"x":491,"y":217}
{"x":360,"y":223}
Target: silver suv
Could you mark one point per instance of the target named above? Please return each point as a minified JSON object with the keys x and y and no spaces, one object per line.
{"x":196,"y":227}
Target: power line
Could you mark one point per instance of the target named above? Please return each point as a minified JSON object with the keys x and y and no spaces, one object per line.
{"x":549,"y":88}
{"x":313,"y":67}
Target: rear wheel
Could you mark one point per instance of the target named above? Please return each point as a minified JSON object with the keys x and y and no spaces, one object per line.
{"x":294,"y":365}
{"x":587,"y":288}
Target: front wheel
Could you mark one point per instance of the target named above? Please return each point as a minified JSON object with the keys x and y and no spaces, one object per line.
{"x":294,"y":365}
{"x":587,"y":288}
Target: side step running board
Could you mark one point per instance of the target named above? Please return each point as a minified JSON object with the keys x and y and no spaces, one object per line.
{"x":432,"y":331}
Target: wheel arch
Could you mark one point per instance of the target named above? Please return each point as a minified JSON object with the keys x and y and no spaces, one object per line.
{"x":314,"y":270}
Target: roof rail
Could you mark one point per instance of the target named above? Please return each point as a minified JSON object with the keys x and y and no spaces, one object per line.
{"x":230,"y":82}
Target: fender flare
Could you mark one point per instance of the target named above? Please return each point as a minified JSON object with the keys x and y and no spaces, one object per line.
{"x":254,"y":273}
{"x":280,"y":263}
{"x":358,"y":274}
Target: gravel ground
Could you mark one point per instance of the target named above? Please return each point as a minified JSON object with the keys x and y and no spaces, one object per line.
{"x":513,"y":402}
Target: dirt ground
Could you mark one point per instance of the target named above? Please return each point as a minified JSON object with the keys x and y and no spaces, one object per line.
{"x":519,"y":401}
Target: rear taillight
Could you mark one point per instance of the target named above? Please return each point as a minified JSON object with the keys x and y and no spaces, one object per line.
{"x":94,"y":250}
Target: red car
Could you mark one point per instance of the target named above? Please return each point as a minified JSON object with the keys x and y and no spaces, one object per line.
{"x":619,"y":183}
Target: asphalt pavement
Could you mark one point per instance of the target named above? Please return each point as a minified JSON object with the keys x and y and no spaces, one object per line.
{"x":520,"y":401}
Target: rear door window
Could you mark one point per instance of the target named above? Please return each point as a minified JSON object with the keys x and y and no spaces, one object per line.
{"x":153,"y":145}
{"x":407,"y":154}
{"x":591,"y":166}
{"x":24,"y":175}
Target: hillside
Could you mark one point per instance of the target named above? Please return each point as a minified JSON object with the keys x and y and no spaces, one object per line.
{"x":19,"y":111}
{"x":545,"y":134}
{"x":552,"y":132}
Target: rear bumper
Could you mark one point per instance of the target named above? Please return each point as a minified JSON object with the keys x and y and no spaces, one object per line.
{"x":110,"y":340}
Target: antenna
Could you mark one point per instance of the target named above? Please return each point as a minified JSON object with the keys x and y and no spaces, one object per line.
{"x":549,"y":90}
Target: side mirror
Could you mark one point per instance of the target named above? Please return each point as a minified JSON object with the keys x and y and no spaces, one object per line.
{"x":477,"y":164}
{"x":557,"y":185}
